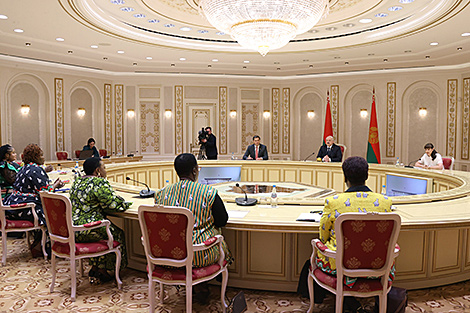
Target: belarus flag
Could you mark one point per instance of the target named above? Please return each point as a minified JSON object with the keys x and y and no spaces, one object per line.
{"x":373,"y":146}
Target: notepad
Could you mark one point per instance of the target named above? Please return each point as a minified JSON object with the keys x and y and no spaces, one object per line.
{"x":236,"y":214}
{"x":309,"y":217}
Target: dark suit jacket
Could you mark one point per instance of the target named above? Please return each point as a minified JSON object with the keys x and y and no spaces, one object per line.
{"x":262,"y":152}
{"x":211,"y":147}
{"x":335,"y":153}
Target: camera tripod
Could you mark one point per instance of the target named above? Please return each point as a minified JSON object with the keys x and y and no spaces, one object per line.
{"x":202,"y":153}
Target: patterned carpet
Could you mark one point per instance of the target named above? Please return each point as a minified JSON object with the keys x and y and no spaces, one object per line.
{"x":25,"y":282}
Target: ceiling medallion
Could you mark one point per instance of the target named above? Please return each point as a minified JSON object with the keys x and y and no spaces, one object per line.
{"x":264,"y":25}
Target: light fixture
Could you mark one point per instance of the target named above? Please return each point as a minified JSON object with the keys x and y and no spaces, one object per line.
{"x":364,"y":113}
{"x":310,"y":113}
{"x":266,"y":114}
{"x":94,"y":46}
{"x":168,"y":113}
{"x":130,"y":113}
{"x":233,"y":113}
{"x":81,"y":112}
{"x":264,"y":25}
{"x":25,"y":109}
{"x":423,"y":112}
{"x":18,"y":30}
{"x":60,"y":39}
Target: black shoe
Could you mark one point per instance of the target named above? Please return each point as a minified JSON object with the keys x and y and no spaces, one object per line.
{"x":201,"y":293}
{"x":97,"y":277}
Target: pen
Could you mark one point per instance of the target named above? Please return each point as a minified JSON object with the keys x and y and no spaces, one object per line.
{"x":317,"y":211}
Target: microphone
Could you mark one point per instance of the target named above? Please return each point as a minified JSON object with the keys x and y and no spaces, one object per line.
{"x":412,"y":163}
{"x":143,"y":193}
{"x":244,"y":201}
{"x":132,"y":153}
{"x":309,"y":156}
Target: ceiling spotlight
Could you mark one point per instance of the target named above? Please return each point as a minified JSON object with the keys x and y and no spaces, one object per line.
{"x":395,"y":8}
{"x":330,"y":28}
{"x":246,"y":61}
{"x":459,"y":49}
{"x":428,"y":57}
{"x":3,"y":17}
{"x":346,"y":63}
{"x":215,"y":60}
{"x":208,"y":65}
{"x":244,"y":67}
{"x":182,"y":59}
{"x":18,"y":30}
{"x":27,"y":44}
{"x":407,"y":51}
{"x":94,"y":46}
{"x":185,"y":29}
{"x":310,"y":66}
{"x":365,"y":20}
{"x":277,"y":62}
{"x":120,"y":52}
{"x":349,"y":25}
{"x":172,"y":64}
{"x":465,"y":34}
{"x":433,"y":43}
{"x":370,"y":54}
{"x":385,"y":60}
{"x":278,"y":68}
{"x":70,"y":51}
{"x":60,"y":39}
{"x":149,"y":58}
{"x":337,"y":57}
{"x":134,"y":64}
{"x":105,"y":58}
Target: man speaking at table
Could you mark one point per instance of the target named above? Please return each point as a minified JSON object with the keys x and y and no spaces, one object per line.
{"x":329,"y":152}
{"x":256,"y":151}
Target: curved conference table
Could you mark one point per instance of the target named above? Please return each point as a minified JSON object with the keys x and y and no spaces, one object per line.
{"x":270,"y":246}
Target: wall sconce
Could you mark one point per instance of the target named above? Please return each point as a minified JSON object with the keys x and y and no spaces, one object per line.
{"x":81,"y":112}
{"x":310,"y":113}
{"x":25,"y":109}
{"x":423,"y":112}
{"x":168,"y":113}
{"x":130,"y":113}
{"x":266,"y":114}
{"x":233,"y":113}
{"x":364,"y":113}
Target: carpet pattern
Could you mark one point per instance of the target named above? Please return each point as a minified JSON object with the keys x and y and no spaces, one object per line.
{"x":25,"y":282}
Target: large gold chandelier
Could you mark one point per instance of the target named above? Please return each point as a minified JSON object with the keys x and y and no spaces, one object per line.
{"x":264,"y":25}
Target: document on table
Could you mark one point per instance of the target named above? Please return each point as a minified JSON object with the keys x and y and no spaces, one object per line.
{"x":236,"y":214}
{"x":309,"y":217}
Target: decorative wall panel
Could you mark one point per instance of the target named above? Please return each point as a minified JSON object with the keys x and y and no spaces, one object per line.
{"x":465,"y":118}
{"x":150,"y":127}
{"x":119,"y":129}
{"x":335,"y":110}
{"x":391,"y":108}
{"x":451,"y":115}
{"x":286,"y":120}
{"x":179,"y":119}
{"x":59,"y":113}
{"x":275,"y":120}
{"x":108,"y":138}
{"x":250,"y":123}
{"x":223,"y":120}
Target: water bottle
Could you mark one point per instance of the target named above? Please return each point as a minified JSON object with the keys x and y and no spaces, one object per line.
{"x":398,"y":162}
{"x":167,"y":183}
{"x":384,"y":190}
{"x":233,"y":157}
{"x":77,"y":173}
{"x":274,"y":197}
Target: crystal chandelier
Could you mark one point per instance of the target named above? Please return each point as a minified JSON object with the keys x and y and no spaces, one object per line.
{"x":264,"y":25}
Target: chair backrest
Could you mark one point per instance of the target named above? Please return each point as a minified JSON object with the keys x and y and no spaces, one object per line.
{"x":77,"y":153}
{"x":58,"y":211}
{"x":167,"y":233}
{"x":448,"y":162}
{"x":103,"y":152}
{"x":62,"y":155}
{"x":366,"y":243}
{"x":343,"y":148}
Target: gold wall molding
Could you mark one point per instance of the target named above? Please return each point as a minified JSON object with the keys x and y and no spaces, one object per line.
{"x":179,"y":119}
{"x":286,"y":120}
{"x":59,"y":113}
{"x":250,"y":123}
{"x":465,"y":118}
{"x":451,"y":115}
{"x":391,"y":108}
{"x":223,"y":120}
{"x":119,"y":119}
{"x":108,"y":134}
{"x":334,"y":103}
{"x":149,"y":132}
{"x":275,"y":120}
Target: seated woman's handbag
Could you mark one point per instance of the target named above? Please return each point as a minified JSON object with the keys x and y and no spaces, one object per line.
{"x":238,"y":304}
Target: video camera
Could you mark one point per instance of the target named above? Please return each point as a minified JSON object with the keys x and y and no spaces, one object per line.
{"x":202,"y":134}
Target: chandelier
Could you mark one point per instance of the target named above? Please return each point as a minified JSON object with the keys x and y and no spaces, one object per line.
{"x":264,"y":25}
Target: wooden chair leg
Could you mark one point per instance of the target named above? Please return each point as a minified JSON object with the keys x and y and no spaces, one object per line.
{"x":53,"y":272}
{"x":4,"y":247}
{"x":339,"y":303}
{"x":162,"y":293}
{"x":311,"y":293}
{"x":118,"y":267}
{"x":43,"y":243}
{"x":189,"y":298}
{"x":73,"y":274}
{"x":151,"y":294}
{"x":223,"y":289}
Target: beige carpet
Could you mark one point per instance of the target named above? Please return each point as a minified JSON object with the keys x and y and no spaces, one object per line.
{"x":25,"y":282}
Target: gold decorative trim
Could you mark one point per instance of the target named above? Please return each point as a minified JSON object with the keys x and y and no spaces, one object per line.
{"x":451,"y":115}
{"x":118,"y":108}
{"x":108,"y":135}
{"x":465,"y":118}
{"x":275,"y":120}
{"x":59,"y":113}
{"x":223,"y":120}
{"x":286,"y":120}
{"x":249,"y":109}
{"x":179,"y":119}
{"x":149,"y":139}
{"x":391,"y":108}
{"x":334,"y":103}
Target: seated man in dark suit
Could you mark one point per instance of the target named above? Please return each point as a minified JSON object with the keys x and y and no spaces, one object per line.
{"x":329,"y":152}
{"x":256,"y":151}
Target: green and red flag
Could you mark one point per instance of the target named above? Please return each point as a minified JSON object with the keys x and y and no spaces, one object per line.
{"x":328,"y":123}
{"x":373,"y":146}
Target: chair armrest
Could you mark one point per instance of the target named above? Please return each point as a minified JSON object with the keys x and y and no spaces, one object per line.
{"x":19,"y":206}
{"x":396,"y":252}
{"x":320,"y":246}
{"x":92,"y":225}
{"x":209,"y":243}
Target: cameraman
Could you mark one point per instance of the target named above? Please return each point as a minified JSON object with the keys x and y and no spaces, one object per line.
{"x":211,"y":144}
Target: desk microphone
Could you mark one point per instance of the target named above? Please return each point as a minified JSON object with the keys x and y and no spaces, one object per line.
{"x":143,"y":193}
{"x":309,"y":156}
{"x":410,"y":165}
{"x":244,"y":201}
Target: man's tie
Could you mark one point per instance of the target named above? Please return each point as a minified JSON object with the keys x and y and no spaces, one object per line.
{"x":256,"y":152}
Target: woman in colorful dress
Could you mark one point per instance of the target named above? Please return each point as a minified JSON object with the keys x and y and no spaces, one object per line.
{"x":92,"y":198}
{"x":8,"y":166}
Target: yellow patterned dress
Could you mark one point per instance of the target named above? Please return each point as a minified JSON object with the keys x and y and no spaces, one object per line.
{"x":198,"y":199}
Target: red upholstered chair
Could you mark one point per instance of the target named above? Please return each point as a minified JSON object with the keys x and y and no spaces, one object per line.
{"x":366,"y":247}
{"x":62,"y":155}
{"x":448,"y":162}
{"x":167,"y":239}
{"x":77,"y":153}
{"x":58,"y":211}
{"x":7,"y":226}
{"x":343,"y":149}
{"x":103,"y":152}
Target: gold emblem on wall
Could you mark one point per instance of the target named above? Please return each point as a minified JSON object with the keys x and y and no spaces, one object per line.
{"x":59,"y":113}
{"x":465,"y":118}
{"x":286,"y":120}
{"x":334,"y":92}
{"x":451,"y":115}
{"x":108,"y":139}
{"x":118,"y":108}
{"x":275,"y":120}
{"x":223,"y":120}
{"x":391,"y":107}
{"x":179,"y":119}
